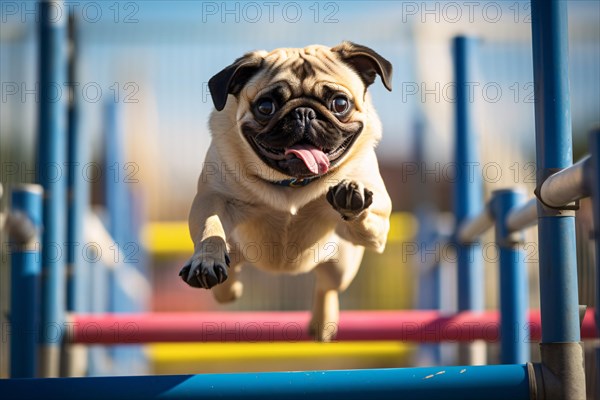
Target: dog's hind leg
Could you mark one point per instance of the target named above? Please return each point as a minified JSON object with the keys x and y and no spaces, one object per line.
{"x":333,"y":277}
{"x":231,"y":289}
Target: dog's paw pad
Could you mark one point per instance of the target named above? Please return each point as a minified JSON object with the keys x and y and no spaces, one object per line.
{"x":349,"y":198}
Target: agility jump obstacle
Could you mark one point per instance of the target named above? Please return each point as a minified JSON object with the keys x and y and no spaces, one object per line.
{"x":292,"y":326}
{"x":560,"y":375}
{"x":453,"y":383}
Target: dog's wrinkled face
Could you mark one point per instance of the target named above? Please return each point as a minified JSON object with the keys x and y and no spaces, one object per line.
{"x":301,"y":110}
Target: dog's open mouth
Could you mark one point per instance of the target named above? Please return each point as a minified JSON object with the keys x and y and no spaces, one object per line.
{"x":316,"y":159}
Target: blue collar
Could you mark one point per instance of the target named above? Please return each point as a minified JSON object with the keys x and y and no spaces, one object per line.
{"x":296,"y":182}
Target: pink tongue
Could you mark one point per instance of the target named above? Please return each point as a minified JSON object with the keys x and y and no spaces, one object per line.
{"x":314,"y":159}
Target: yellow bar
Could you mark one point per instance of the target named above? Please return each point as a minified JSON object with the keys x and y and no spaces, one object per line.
{"x":198,"y":352}
{"x":168,"y":238}
{"x":403,"y":227}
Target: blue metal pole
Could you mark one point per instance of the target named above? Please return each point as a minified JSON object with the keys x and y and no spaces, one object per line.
{"x":595,"y":186}
{"x":118,"y":199}
{"x":106,"y":293}
{"x":514,"y":290}
{"x":561,"y":353}
{"x":25,"y":283}
{"x":429,"y":292}
{"x":115,"y":187}
{"x":558,"y":269}
{"x":429,"y":296}
{"x":52,"y":176}
{"x":468,"y":194}
{"x":78,"y":190}
{"x":74,"y":357}
{"x":448,"y":383}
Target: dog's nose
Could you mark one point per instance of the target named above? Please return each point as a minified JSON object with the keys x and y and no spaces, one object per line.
{"x":304,"y":114}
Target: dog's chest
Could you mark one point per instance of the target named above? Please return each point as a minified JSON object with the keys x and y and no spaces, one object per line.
{"x":277,"y":241}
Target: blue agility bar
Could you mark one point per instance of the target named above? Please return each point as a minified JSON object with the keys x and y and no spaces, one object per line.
{"x":26,"y":202}
{"x":52,"y":175}
{"x":514,"y":290}
{"x":447,"y":383}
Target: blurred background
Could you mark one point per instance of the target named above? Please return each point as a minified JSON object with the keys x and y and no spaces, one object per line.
{"x":146,"y":64}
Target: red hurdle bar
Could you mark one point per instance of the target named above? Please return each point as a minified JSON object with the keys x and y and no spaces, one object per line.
{"x":411,"y":326}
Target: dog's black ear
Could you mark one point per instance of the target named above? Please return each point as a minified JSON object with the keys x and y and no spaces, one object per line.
{"x":231,"y":79}
{"x":366,"y":62}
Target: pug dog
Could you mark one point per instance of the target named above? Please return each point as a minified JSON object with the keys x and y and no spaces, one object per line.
{"x":290,"y":182}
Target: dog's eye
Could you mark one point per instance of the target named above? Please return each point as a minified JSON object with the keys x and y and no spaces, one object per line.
{"x":340,"y":104}
{"x":265,"y":107}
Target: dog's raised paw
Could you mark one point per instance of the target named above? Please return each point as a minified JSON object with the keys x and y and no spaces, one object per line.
{"x":349,"y":198}
{"x":205,"y":271}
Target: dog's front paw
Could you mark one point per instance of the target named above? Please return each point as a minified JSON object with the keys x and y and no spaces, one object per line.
{"x":205,"y":270}
{"x":349,"y":198}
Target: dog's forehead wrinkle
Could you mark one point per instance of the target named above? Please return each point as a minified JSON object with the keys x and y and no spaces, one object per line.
{"x":297,"y":85}
{"x":280,"y":89}
{"x":287,"y":52}
{"x":300,"y":59}
{"x":307,"y":61}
